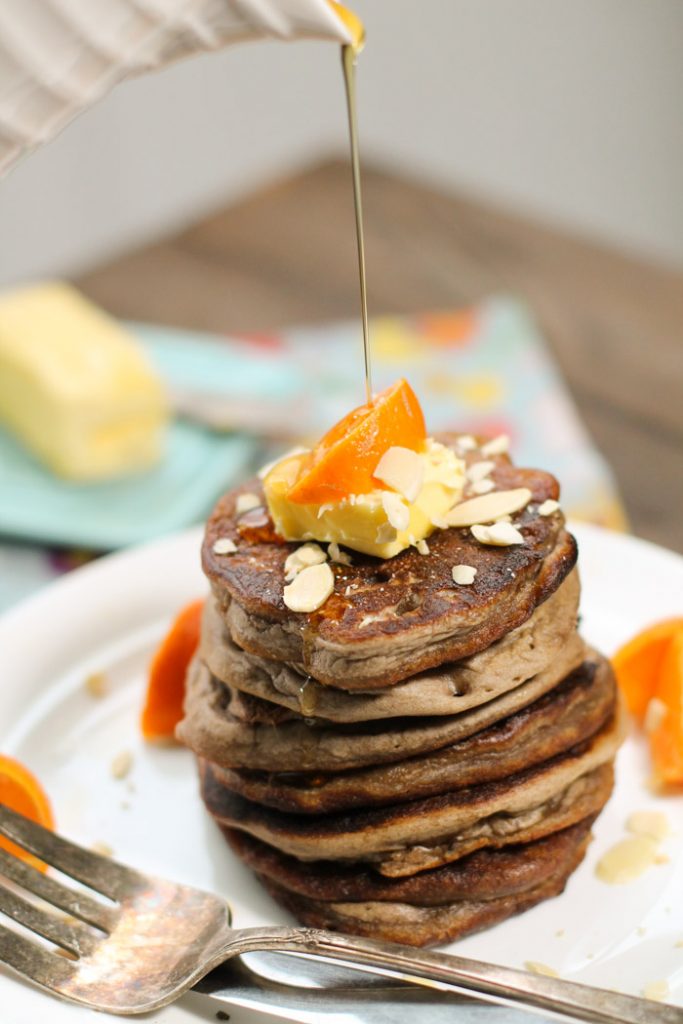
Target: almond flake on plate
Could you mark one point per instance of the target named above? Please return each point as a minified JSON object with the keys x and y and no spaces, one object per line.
{"x":488,"y":507}
{"x":654,"y":824}
{"x":657,"y":990}
{"x":245,"y":502}
{"x":548,"y":507}
{"x":496,"y":446}
{"x":396,"y":510}
{"x":464,"y":574}
{"x":98,"y":684}
{"x":122,"y":764}
{"x":224,"y":546}
{"x":536,"y":967}
{"x":401,"y":469}
{"x":104,"y":849}
{"x":306,"y":555}
{"x":482,"y":486}
{"x":499,"y":534}
{"x":310,"y":588}
{"x":478,"y":470}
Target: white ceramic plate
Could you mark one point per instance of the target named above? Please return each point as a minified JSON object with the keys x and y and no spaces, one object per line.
{"x":109,"y":615}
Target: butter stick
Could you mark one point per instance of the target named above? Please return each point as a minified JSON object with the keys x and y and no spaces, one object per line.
{"x":75,"y":387}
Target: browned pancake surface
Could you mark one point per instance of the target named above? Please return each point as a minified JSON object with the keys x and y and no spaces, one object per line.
{"x":298,"y":745}
{"x":423,"y":925}
{"x":561,"y":719}
{"x":548,"y":637}
{"x":484,"y":875}
{"x":401,"y":615}
{"x":485,"y":812}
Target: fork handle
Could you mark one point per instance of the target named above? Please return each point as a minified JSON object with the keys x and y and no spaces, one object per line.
{"x":503,"y":985}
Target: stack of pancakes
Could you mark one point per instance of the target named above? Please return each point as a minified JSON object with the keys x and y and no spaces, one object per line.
{"x":417,"y":759}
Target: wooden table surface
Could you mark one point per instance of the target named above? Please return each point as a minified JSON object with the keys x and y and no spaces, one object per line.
{"x":286,"y":255}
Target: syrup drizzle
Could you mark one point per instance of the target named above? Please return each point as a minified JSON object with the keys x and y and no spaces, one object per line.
{"x":349,"y":57}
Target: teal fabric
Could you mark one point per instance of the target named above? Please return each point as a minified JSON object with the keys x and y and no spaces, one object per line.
{"x":198,"y":464}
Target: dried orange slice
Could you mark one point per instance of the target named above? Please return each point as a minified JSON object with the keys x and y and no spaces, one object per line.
{"x":166,"y":680}
{"x":345,"y":458}
{"x":21,"y":791}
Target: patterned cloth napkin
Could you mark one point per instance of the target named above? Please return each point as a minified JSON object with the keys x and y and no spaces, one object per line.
{"x":484,"y":370}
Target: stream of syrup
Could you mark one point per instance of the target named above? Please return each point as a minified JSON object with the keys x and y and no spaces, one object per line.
{"x":349,"y":57}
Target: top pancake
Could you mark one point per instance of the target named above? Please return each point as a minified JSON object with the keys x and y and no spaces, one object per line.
{"x":389,"y":619}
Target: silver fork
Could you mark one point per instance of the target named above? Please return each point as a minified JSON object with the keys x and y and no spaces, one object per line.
{"x":154,"y":939}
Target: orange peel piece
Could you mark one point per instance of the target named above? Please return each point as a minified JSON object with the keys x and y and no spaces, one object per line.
{"x":344,"y":460}
{"x":21,"y":791}
{"x":638,"y":664}
{"x":163,"y":707}
{"x":666,"y":736}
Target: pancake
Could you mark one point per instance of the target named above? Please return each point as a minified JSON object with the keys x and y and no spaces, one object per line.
{"x":422,"y":926}
{"x":558,"y":721}
{"x":412,"y":836}
{"x":547,"y":637}
{"x":436,"y":907}
{"x":299,"y":745}
{"x":389,"y":619}
{"x":481,"y":876}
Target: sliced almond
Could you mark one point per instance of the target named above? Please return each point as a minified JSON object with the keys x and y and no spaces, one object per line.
{"x":310,"y":588}
{"x":306,"y":555}
{"x":104,"y":849}
{"x":478,"y":470}
{"x":656,"y":990}
{"x":466,"y":443}
{"x":245,"y":502}
{"x":496,"y":446}
{"x":396,"y":510}
{"x":548,"y":507}
{"x":654,"y":824}
{"x":463,"y":575}
{"x":500,"y":535}
{"x":536,"y":967}
{"x":337,"y":555}
{"x":484,"y":486}
{"x":402,"y":470}
{"x":98,"y":684}
{"x":224,"y":546}
{"x":422,"y":547}
{"x":385,"y":534}
{"x":122,"y":764}
{"x":488,"y":507}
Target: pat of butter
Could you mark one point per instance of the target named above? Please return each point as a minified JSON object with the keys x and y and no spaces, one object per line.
{"x":75,"y":387}
{"x":361,"y":522}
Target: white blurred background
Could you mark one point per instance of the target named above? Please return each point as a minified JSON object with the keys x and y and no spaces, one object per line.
{"x":568,"y":111}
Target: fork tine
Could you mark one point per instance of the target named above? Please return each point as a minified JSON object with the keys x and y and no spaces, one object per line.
{"x":99,"y":873}
{"x":75,"y":903}
{"x":75,"y":938}
{"x":32,"y":960}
